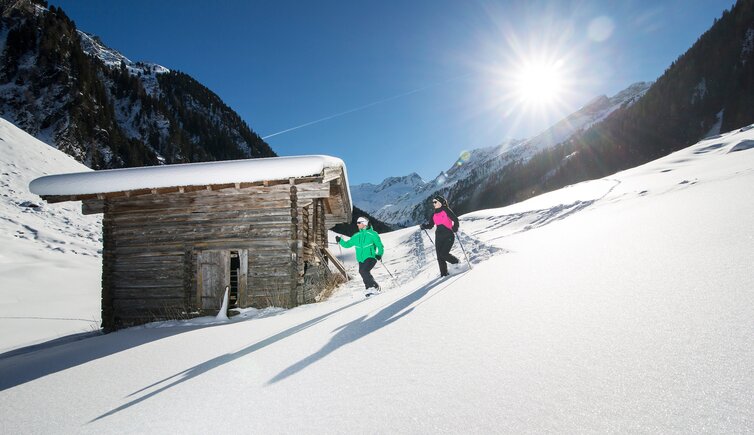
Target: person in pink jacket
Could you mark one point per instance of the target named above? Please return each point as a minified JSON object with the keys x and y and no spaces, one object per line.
{"x":447,"y":225}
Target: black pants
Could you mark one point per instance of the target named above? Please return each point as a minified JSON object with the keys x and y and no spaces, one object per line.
{"x":444,"y":239}
{"x":364,"y":270}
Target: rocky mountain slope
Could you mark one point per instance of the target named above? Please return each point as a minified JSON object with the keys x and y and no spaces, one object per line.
{"x":68,"y":89}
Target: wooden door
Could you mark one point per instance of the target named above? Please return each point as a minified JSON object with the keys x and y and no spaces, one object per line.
{"x":214,"y":276}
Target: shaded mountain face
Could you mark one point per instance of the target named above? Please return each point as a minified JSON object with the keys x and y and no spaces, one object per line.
{"x":404,"y":201}
{"x":66,"y":88}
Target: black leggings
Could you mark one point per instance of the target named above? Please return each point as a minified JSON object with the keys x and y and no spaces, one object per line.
{"x":364,"y":270}
{"x":443,"y":242}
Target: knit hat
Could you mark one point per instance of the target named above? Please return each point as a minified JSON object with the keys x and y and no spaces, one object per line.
{"x":362,"y":220}
{"x":440,"y":199}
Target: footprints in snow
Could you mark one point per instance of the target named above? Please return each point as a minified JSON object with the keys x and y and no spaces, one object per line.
{"x":423,"y":251}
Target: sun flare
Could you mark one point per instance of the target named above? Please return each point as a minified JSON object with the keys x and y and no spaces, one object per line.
{"x":539,"y":83}
{"x":537,"y":86}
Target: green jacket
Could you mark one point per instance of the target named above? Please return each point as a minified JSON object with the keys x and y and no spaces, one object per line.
{"x":367,"y":243}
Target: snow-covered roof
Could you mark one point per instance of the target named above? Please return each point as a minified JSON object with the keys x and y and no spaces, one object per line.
{"x":188,"y":174}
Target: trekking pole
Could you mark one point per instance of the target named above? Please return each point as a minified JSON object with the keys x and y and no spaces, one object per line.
{"x":388,"y":271}
{"x":464,"y":251}
{"x":430,"y":237}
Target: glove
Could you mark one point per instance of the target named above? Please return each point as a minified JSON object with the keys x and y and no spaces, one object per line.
{"x":455,"y":228}
{"x":425,"y":226}
{"x":337,"y":239}
{"x":378,"y":257}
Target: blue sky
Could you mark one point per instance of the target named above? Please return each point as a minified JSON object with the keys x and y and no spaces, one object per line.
{"x":429,"y":78}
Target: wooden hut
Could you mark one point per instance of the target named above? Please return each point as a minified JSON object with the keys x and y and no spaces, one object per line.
{"x":175,"y":236}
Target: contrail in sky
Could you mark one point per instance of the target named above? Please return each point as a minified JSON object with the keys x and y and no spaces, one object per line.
{"x":374,"y":103}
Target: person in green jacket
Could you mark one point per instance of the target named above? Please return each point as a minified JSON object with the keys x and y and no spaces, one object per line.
{"x":369,"y":249}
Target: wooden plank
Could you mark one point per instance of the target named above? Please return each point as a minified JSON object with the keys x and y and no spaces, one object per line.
{"x":233,"y":240}
{"x":92,"y":206}
{"x":338,"y":265}
{"x":216,"y":203}
{"x":269,"y":272}
{"x":64,"y":198}
{"x":243,"y":282}
{"x":139,"y":264}
{"x":152,"y":293}
{"x":138,"y":307}
{"x":235,"y":187}
{"x":200,"y":222}
{"x":198,"y":215}
{"x":332,"y":174}
{"x":146,"y":284}
{"x":158,"y":276}
{"x":108,"y":259}
{"x":189,"y":234}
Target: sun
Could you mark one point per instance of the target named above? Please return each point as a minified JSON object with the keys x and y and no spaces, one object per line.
{"x":529,"y":83}
{"x":538,"y":84}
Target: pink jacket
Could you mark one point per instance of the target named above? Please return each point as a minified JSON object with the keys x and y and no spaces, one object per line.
{"x":442,"y":218}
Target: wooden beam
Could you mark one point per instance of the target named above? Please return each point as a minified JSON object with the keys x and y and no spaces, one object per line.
{"x":338,"y":265}
{"x":315,"y":186}
{"x":92,"y":206}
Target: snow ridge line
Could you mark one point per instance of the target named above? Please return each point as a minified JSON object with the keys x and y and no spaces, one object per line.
{"x":541,"y":217}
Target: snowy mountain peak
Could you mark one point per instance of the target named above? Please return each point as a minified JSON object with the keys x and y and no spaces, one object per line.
{"x":631,"y":93}
{"x":474,"y":168}
{"x":10,"y":7}
{"x":410,"y":181}
{"x":94,"y":47}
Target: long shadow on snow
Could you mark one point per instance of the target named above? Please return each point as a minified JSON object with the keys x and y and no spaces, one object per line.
{"x":361,"y":327}
{"x":33,"y":362}
{"x":206,"y":366}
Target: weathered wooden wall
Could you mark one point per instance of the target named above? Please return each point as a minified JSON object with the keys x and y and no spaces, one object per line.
{"x":160,"y":247}
{"x":152,"y":243}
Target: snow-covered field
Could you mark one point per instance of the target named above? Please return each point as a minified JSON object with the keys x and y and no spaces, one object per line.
{"x":617,"y":305}
{"x":50,"y":264}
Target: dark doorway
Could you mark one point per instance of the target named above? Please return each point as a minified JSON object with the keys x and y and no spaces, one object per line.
{"x":235,"y":272}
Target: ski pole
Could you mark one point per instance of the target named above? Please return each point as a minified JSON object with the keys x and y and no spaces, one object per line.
{"x":430,"y":237}
{"x":464,"y":251}
{"x":388,"y":271}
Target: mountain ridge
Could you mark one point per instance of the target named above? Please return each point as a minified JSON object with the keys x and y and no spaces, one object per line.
{"x":401,"y":200}
{"x":68,"y":89}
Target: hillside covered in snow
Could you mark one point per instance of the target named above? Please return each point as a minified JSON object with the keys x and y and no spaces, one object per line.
{"x":50,"y":254}
{"x":622,"y":304}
